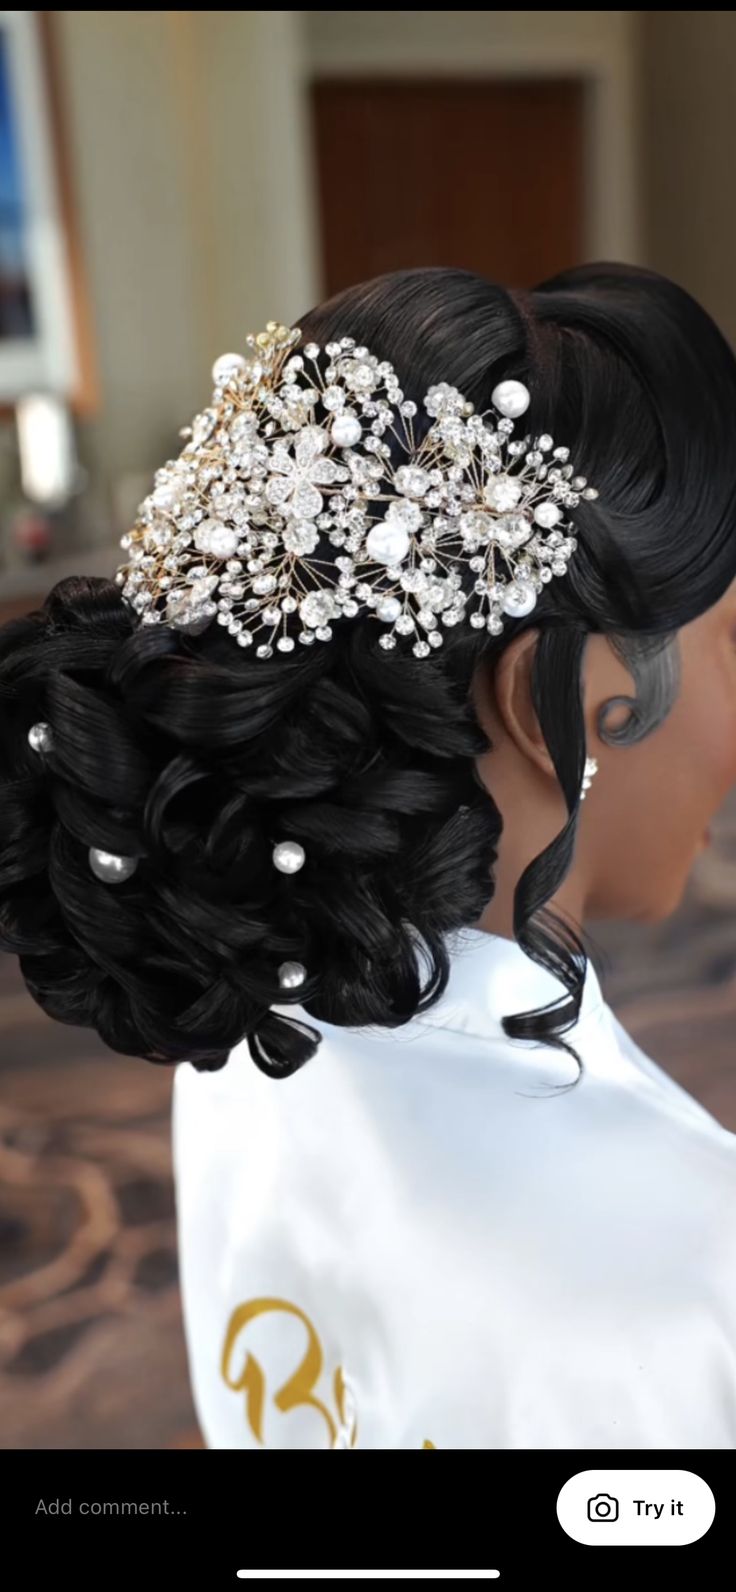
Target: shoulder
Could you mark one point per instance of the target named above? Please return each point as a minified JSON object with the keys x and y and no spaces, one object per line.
{"x":446,"y":1075}
{"x":657,"y":1078}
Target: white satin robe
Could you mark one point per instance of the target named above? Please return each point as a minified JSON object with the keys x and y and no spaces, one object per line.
{"x":416,"y":1240}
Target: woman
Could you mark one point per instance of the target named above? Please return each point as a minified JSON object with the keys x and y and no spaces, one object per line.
{"x":429,"y":1192}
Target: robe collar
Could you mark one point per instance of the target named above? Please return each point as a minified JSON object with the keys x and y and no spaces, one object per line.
{"x":491,"y":977}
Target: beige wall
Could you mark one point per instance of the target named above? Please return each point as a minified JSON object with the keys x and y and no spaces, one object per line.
{"x":189,"y":143}
{"x":409,"y":40}
{"x":188,"y":151}
{"x":688,"y":108}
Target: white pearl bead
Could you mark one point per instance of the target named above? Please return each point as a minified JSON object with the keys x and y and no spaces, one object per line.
{"x":213,"y":537}
{"x":387,"y":543}
{"x":167,"y":496}
{"x":388,"y":609}
{"x":110,"y":868}
{"x":291,"y":975}
{"x":289,"y":856}
{"x":512,"y":398}
{"x":345,"y":431}
{"x":547,"y":514}
{"x":228,"y":365}
{"x":40,"y":738}
{"x":519,"y":599}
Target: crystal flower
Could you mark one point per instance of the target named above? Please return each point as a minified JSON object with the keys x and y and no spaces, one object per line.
{"x":296,"y":477}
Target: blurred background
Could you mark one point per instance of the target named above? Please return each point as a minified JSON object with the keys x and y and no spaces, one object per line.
{"x":170,"y":180}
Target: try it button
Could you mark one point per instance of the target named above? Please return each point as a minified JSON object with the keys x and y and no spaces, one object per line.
{"x":620,"y":1508}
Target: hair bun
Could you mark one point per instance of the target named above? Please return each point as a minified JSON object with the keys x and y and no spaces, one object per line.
{"x":280,"y":1045}
{"x":176,"y":752}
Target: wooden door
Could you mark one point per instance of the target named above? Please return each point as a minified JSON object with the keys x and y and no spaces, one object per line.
{"x":487,"y":175}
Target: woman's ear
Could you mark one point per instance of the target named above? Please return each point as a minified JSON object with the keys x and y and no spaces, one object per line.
{"x":511,"y":687}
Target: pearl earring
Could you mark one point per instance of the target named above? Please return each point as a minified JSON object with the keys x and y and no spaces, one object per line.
{"x":591,"y":768}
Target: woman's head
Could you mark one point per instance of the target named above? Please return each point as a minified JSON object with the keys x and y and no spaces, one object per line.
{"x":424,"y":791}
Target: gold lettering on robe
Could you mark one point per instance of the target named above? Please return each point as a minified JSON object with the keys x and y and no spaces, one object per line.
{"x":298,"y":1390}
{"x":346,"y":1410}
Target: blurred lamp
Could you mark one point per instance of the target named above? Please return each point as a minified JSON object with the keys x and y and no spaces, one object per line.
{"x":46,"y":447}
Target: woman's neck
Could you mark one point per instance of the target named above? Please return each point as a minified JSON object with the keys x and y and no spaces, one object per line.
{"x":569,"y":901}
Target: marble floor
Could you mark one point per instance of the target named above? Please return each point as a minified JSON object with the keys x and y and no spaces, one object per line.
{"x":91,"y":1345}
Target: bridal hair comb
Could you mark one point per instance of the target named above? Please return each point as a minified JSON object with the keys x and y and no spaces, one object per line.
{"x":288,"y":510}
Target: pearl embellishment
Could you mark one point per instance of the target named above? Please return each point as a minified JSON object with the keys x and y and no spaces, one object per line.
{"x":291,"y":975}
{"x":547,"y":515}
{"x":511,"y":398}
{"x":213,"y":537}
{"x":289,"y":856}
{"x":110,"y":868}
{"x":287,"y":463}
{"x":519,"y":599}
{"x":388,"y":543}
{"x":228,"y":365}
{"x":345,"y":431}
{"x":40,"y":738}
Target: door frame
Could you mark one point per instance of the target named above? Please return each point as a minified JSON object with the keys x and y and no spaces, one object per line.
{"x":602,"y":56}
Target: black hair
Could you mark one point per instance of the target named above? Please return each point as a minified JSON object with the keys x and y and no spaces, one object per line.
{"x":187,"y":753}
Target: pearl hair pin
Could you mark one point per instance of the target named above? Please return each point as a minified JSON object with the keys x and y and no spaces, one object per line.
{"x":288,"y":856}
{"x":292,"y":975}
{"x":288,"y":510}
{"x":511,"y":398}
{"x":110,"y":868}
{"x":40,"y":738}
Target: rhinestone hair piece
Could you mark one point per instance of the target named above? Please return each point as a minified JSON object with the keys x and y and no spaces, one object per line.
{"x":288,"y":510}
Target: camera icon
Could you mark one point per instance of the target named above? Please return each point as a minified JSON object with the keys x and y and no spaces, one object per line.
{"x":603,"y":1507}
